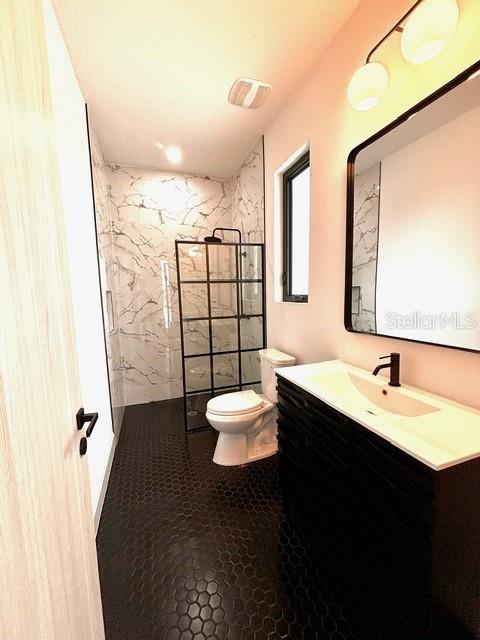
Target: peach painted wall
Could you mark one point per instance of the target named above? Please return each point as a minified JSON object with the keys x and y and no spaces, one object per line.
{"x":318,"y":112}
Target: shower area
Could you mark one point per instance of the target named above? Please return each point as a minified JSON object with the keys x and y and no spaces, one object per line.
{"x":184,"y":312}
{"x":222,"y":318}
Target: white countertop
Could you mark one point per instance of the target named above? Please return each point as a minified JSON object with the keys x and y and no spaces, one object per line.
{"x":445,"y":434}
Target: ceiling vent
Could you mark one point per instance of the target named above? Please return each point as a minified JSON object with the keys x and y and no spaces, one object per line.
{"x":248,"y":93}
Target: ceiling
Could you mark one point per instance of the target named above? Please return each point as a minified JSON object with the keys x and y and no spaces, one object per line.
{"x":159,"y":71}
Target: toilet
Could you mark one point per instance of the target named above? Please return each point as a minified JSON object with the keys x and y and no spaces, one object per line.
{"x":247,"y":421}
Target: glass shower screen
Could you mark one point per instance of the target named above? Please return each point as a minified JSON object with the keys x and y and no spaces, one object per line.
{"x":222,"y":321}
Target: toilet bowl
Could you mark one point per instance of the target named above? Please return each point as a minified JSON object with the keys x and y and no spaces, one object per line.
{"x":247,"y":421}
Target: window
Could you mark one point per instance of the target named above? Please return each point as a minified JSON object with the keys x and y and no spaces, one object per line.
{"x":296,"y":230}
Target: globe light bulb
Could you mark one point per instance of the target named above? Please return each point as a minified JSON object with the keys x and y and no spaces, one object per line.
{"x":367,"y":86}
{"x":428,"y":29}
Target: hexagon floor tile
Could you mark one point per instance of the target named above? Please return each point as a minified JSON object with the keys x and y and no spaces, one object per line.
{"x":189,"y":550}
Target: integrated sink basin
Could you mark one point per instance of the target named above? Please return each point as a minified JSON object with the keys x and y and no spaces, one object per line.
{"x":432,"y":429}
{"x":375,"y":396}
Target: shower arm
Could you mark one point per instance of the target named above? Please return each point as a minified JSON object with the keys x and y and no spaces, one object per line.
{"x":209,"y":239}
{"x":213,"y":238}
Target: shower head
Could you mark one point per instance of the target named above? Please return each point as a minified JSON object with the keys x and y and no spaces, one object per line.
{"x":213,"y":237}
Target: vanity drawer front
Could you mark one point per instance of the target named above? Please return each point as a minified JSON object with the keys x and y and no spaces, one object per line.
{"x":387,"y":527}
{"x":325,"y":431}
{"x":290,"y":414}
{"x":290,"y":394}
{"x":328,"y":479}
{"x":396,"y":467}
{"x":291,"y":424}
{"x":326,"y":457}
{"x":411,"y":507}
{"x":322,"y":446}
{"x":394,"y":503}
{"x":305,"y":402}
{"x":323,"y":508}
{"x":325,"y":436}
{"x":291,"y":441}
{"x":322,"y":409}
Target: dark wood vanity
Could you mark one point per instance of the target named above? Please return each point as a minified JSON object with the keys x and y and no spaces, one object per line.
{"x":403,"y":538}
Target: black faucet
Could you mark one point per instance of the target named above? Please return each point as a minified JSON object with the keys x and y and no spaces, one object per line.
{"x":394,"y":366}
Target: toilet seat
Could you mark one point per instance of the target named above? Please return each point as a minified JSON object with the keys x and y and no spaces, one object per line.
{"x":238,"y":403}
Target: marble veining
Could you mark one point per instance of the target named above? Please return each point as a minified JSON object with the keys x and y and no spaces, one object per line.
{"x":248,"y":196}
{"x":150,"y":209}
{"x":365,"y":247}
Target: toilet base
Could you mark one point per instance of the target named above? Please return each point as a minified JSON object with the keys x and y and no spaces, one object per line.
{"x":232,"y":450}
{"x":263,"y":452}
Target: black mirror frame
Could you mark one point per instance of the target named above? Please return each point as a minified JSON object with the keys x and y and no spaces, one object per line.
{"x":459,"y":79}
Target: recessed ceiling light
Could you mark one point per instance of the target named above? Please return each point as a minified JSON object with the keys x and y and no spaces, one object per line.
{"x":174,"y":155}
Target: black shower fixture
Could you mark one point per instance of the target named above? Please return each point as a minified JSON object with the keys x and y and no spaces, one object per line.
{"x":213,"y":237}
{"x":244,"y":280}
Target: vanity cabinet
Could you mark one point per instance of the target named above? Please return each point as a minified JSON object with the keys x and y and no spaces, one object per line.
{"x":404,"y":538}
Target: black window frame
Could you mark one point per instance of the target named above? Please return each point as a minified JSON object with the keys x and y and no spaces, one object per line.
{"x":292,"y":172}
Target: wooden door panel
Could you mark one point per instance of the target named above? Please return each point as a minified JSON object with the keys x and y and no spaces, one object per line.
{"x":48,"y":569}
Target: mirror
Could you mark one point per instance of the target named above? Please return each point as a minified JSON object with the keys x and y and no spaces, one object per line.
{"x":413,"y":223}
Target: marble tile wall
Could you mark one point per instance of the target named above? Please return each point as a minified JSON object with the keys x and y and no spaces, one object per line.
{"x":365,"y":247}
{"x":104,"y":221}
{"x":248,"y":196}
{"x":150,"y":209}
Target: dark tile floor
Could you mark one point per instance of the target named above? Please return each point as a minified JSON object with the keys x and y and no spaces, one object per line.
{"x":189,"y":550}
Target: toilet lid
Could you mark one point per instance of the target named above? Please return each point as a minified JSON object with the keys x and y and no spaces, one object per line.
{"x":231,"y":404}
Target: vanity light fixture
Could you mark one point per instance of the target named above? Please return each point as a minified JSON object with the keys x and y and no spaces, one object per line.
{"x":425,"y":30}
{"x":428,"y":29}
{"x":367,"y":86}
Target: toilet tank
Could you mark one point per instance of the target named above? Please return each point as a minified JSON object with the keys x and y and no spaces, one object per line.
{"x":271,"y":359}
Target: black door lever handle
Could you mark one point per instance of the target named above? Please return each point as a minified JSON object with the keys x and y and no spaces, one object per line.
{"x":81,"y":419}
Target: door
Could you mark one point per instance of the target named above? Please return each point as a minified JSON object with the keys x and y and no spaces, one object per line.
{"x":48,"y":567}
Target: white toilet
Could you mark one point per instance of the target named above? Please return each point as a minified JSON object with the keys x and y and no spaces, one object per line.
{"x":245,"y":420}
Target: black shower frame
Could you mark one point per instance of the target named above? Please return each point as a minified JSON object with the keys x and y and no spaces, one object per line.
{"x":238,"y":281}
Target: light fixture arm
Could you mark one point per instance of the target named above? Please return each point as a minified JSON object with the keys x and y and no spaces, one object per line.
{"x":396,"y":27}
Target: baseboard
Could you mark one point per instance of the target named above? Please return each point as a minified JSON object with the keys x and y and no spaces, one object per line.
{"x":101,"y":498}
{"x":118,"y":419}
